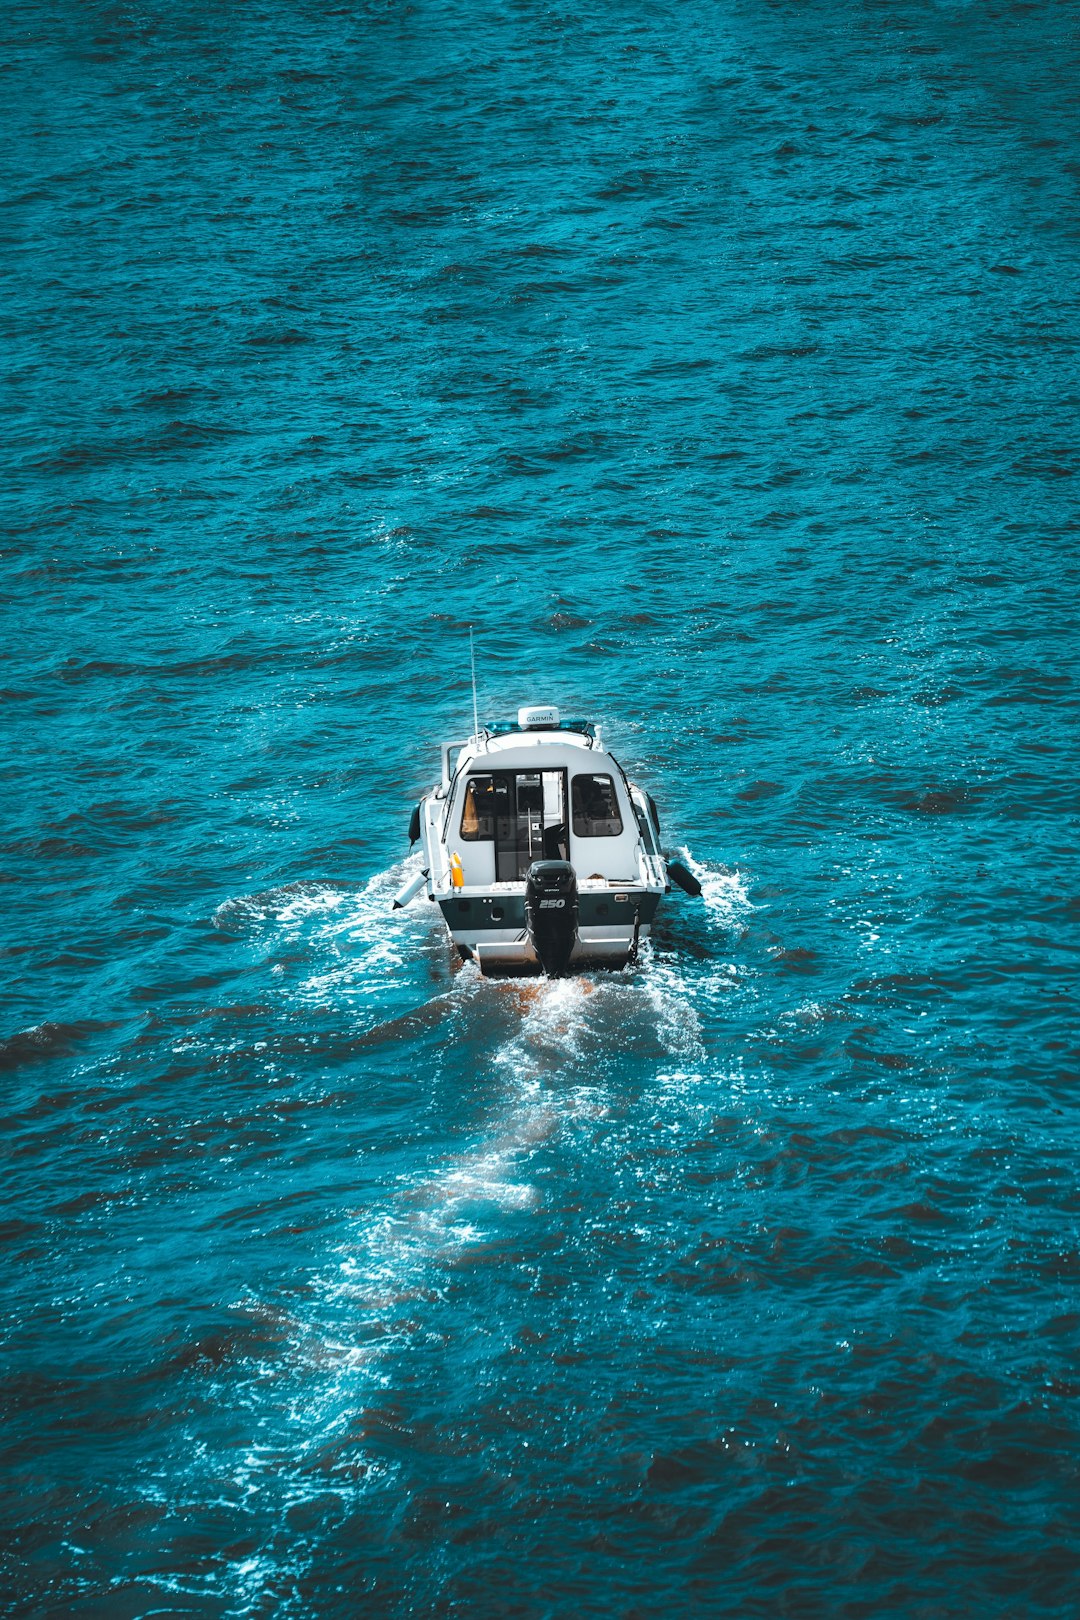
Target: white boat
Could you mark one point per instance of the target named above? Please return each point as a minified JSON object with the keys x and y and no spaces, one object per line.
{"x":538,"y":849}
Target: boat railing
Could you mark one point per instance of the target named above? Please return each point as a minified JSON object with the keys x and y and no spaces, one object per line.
{"x":447,"y":750}
{"x":506,"y":728}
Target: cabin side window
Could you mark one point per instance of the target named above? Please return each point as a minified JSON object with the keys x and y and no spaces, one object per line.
{"x":594,"y":807}
{"x":645,"y":827}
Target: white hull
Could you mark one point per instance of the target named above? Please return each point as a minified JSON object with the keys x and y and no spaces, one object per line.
{"x":494,"y":948}
{"x":531,"y":820}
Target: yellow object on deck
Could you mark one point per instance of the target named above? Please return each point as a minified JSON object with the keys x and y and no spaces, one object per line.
{"x":457,"y":876}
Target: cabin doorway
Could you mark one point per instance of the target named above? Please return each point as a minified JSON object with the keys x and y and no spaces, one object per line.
{"x":534,"y":827}
{"x":523,"y":813}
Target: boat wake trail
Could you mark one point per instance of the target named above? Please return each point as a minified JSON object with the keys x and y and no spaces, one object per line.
{"x":546,"y":1076}
{"x":332,"y":945}
{"x":723,"y":892}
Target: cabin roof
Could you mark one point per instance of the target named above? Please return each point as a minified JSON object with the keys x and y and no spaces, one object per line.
{"x":536,"y":739}
{"x":533,"y":750}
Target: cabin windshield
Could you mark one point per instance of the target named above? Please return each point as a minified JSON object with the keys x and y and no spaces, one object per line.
{"x":522,"y":812}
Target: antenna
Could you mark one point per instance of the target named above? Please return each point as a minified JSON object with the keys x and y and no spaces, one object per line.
{"x":472,"y":665}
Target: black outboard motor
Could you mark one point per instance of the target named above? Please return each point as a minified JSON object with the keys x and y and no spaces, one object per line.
{"x":551,"y":913}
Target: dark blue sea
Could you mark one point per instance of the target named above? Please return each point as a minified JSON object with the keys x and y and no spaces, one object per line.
{"x":717,"y":360}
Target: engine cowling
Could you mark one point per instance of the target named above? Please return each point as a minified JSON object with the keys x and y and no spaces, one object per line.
{"x":551,"y":913}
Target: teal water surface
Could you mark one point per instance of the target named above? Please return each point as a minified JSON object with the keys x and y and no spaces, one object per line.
{"x":717,"y":362}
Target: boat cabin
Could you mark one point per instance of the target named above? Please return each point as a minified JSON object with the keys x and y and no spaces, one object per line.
{"x":542,"y":795}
